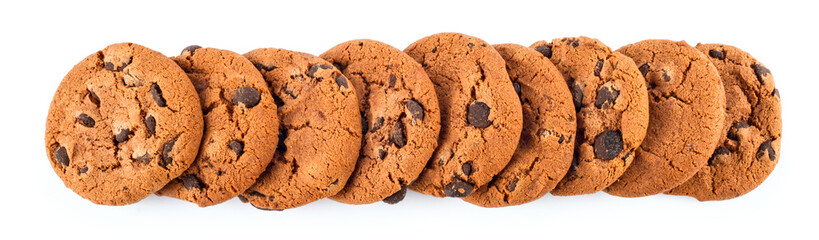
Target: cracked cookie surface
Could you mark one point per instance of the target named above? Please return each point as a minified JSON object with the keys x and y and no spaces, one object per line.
{"x":481,"y":117}
{"x":319,"y":133}
{"x":544,"y":152}
{"x":400,"y":119}
{"x":123,"y":123}
{"x":611,"y":100}
{"x":241,"y":126}
{"x":687,"y":112}
{"x":748,"y":148}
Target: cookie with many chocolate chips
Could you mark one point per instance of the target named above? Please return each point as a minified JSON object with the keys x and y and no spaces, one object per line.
{"x":687,"y":110}
{"x":481,"y":117}
{"x":544,"y":153}
{"x":400,"y":110}
{"x":611,"y":99}
{"x":319,"y":133}
{"x":241,"y":126}
{"x":749,"y":145}
{"x":122,"y":124}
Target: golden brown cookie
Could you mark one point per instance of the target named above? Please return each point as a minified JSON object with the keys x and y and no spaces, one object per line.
{"x":544,"y":153}
{"x":687,"y":112}
{"x":481,"y":115}
{"x":401,"y":119}
{"x":612,"y":111}
{"x":749,"y":145}
{"x":241,"y":126}
{"x":124,"y":122}
{"x":319,"y":133}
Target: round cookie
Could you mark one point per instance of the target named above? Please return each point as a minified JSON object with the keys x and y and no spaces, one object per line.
{"x":481,"y":117}
{"x":687,"y":110}
{"x":749,"y":145}
{"x":123,"y":122}
{"x":319,"y":133}
{"x":241,"y":125}
{"x":545,"y":150}
{"x":611,"y":100}
{"x":400,"y":115}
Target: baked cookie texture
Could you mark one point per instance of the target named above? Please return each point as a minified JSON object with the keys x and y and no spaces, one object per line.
{"x":687,"y":112}
{"x":319,"y":133}
{"x":241,"y":127}
{"x":123,"y":123}
{"x":611,"y":99}
{"x":544,"y":152}
{"x":400,"y":119}
{"x":749,"y":142}
{"x":481,"y":117}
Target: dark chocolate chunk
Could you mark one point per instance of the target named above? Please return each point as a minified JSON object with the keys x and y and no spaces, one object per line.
{"x":191,"y":48}
{"x":478,"y":114}
{"x":167,"y":159}
{"x":606,"y":97}
{"x":246,"y":95}
{"x":262,"y":67}
{"x":598,"y":68}
{"x":86,"y":120}
{"x":458,"y":188}
{"x":398,"y":136}
{"x":466,"y":168}
{"x":716,"y":54}
{"x":608,"y":145}
{"x":644,"y":69}
{"x":190,"y":181}
{"x":341,"y":81}
{"x":512,"y":185}
{"x":156,"y":93}
{"x":83,"y":170}
{"x":546,"y":50}
{"x":123,"y":135}
{"x":760,"y":72}
{"x":717,"y":153}
{"x":766,"y":147}
{"x":315,"y":68}
{"x":379,"y":121}
{"x":577,"y":95}
{"x":666,"y":77}
{"x":94,"y":98}
{"x":61,"y":156}
{"x":733,"y":132}
{"x":392,"y":81}
{"x":415,"y":109}
{"x":397,"y":196}
{"x":237,"y":146}
{"x":111,"y":67}
{"x":382,"y":154}
{"x":145,"y":158}
{"x":150,"y":124}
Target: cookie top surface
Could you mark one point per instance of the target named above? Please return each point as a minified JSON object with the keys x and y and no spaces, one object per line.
{"x":123,"y":122}
{"x":481,"y":117}
{"x":319,"y":133}
{"x":749,"y":144}
{"x":544,"y":152}
{"x":400,"y":115}
{"x":241,"y":125}
{"x":611,"y":100}
{"x":687,"y":110}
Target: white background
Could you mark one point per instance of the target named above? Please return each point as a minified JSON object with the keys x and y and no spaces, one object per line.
{"x":41,"y":41}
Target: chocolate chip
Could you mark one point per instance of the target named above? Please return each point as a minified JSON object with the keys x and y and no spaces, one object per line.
{"x":608,"y":145}
{"x":577,"y":95}
{"x":575,"y":43}
{"x":219,"y":173}
{"x":111,"y":67}
{"x":478,"y":115}
{"x":644,"y":69}
{"x":775,"y":92}
{"x":397,"y":196}
{"x":398,"y":136}
{"x":516,"y":85}
{"x":512,"y":185}
{"x":733,"y":132}
{"x":157,"y":94}
{"x":262,"y":67}
{"x":760,"y":72}
{"x":150,"y":124}
{"x":392,"y":80}
{"x":458,"y":188}
{"x":598,"y":68}
{"x":766,"y":147}
{"x":717,"y":153}
{"x":666,"y":77}
{"x":123,"y":135}
{"x":167,"y":159}
{"x":190,"y":181}
{"x":83,"y":170}
{"x":435,"y":49}
{"x":341,"y":81}
{"x":315,"y":68}
{"x":546,"y":50}
{"x":145,"y":158}
{"x":415,"y":109}
{"x":238,"y":147}
{"x":561,"y":139}
{"x":716,"y":54}
{"x":382,"y":154}
{"x":86,"y":120}
{"x":470,"y":45}
{"x":191,"y":48}
{"x":379,"y":121}
{"x":247,"y":96}
{"x":94,"y":98}
{"x":61,"y":155}
{"x":242,"y":198}
{"x":606,"y":97}
{"x":466,"y":168}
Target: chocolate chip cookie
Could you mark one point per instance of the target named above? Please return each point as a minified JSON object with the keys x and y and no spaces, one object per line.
{"x":544,"y":153}
{"x":319,"y":133}
{"x":123,"y":122}
{"x":400,"y":115}
{"x":687,"y":111}
{"x":481,"y":117}
{"x":241,"y":125}
{"x":611,"y":100}
{"x":749,"y":145}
